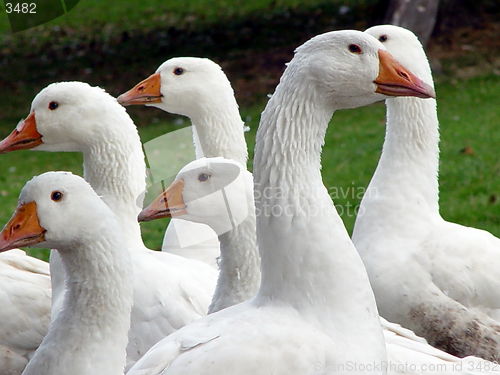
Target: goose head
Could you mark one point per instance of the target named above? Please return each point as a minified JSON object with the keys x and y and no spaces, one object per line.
{"x":183,"y":85}
{"x":66,"y":116}
{"x":46,"y":205}
{"x":349,"y":69}
{"x":214,"y":191}
{"x":405,"y":47}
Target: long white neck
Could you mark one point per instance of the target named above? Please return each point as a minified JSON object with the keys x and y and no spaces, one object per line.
{"x":90,"y":334}
{"x":308,"y":260}
{"x":114,"y":166}
{"x":239,"y":264}
{"x":218,"y":131}
{"x":405,"y":184}
{"x":404,"y":187}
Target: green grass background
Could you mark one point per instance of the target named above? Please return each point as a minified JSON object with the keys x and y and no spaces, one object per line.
{"x":146,"y":14}
{"x":468,"y":111}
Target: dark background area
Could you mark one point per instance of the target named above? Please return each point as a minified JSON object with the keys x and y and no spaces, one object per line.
{"x":251,"y":49}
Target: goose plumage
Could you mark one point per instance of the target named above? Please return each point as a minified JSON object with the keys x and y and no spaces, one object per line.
{"x":196,"y":88}
{"x":315,"y":309}
{"x":435,"y":277}
{"x":25,"y":297}
{"x":169,"y":291}
{"x":89,"y":335}
{"x":218,"y":192}
{"x":208,"y":191}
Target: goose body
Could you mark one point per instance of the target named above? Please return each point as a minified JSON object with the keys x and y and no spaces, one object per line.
{"x":410,"y":354}
{"x":218,"y":192}
{"x":199,"y":89}
{"x":90,"y":334}
{"x":314,"y":310}
{"x":435,"y":277}
{"x":25,"y":297}
{"x":198,"y":194}
{"x":169,"y":291}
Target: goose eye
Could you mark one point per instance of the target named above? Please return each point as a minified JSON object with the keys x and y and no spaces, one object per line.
{"x":56,"y":196}
{"x":383,"y":38}
{"x":178,"y":71}
{"x":53,"y":105}
{"x":354,"y":48}
{"x":202,"y":177}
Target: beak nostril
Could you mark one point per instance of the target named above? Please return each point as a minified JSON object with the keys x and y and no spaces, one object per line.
{"x":140,"y":88}
{"x":15,"y":228}
{"x":404,"y":75}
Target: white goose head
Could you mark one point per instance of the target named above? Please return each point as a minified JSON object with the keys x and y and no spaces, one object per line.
{"x":335,"y":70}
{"x":405,"y":47}
{"x":74,"y":116}
{"x":60,"y":210}
{"x":217,"y":192}
{"x":68,"y":116}
{"x":338,"y":65}
{"x":46,"y":205}
{"x":183,"y":85}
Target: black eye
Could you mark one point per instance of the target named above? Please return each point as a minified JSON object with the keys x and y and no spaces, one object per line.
{"x":53,"y":105}
{"x":178,"y":71}
{"x":202,"y":177}
{"x":383,"y":38}
{"x":354,"y":48}
{"x":56,"y":196}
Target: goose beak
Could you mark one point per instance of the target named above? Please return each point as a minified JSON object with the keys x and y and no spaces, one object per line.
{"x":167,"y":204}
{"x":24,"y":136}
{"x":395,"y":80}
{"x":23,"y":229}
{"x":145,"y":92}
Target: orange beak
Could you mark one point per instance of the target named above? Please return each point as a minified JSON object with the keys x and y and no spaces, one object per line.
{"x":23,"y":229}
{"x":24,"y":136}
{"x":145,"y":92}
{"x":167,"y":204}
{"x":395,"y":80}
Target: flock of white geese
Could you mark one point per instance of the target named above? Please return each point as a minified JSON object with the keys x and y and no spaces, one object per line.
{"x":292,"y":294}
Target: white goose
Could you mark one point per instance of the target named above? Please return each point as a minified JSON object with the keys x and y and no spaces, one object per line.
{"x":89,"y":335}
{"x":199,"y":89}
{"x":314,"y":311}
{"x":208,"y":191}
{"x":218,"y":192}
{"x":25,"y":300}
{"x":169,"y":291}
{"x":437,"y":278}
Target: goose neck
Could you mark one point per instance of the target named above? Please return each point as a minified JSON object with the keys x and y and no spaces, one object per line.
{"x":410,"y":157}
{"x":98,"y":278}
{"x":308,"y":260}
{"x":116,"y":170}
{"x":239,"y":276}
{"x":98,"y":300}
{"x":218,"y":131}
